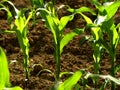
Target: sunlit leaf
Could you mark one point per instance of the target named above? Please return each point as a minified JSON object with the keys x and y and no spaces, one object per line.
{"x":87,"y":19}
{"x":52,"y":26}
{"x":81,"y":10}
{"x":109,"y":28}
{"x":68,"y":37}
{"x":64,"y":20}
{"x":96,"y":33}
{"x":13,"y":88}
{"x":111,"y":6}
{"x":4,"y":71}
{"x":9,"y":14}
{"x":20,"y":24}
{"x":70,"y":82}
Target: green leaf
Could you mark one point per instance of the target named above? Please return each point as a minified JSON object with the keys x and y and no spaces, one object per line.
{"x":111,"y":6}
{"x":80,"y":10}
{"x":16,"y":88}
{"x":9,"y":15}
{"x":117,"y":68}
{"x":70,"y":82}
{"x":87,"y":19}
{"x":64,"y":20}
{"x":15,"y":9}
{"x":97,"y":52}
{"x":96,"y":32}
{"x":85,"y":9}
{"x":4,"y":71}
{"x":20,"y":22}
{"x":109,"y":28}
{"x":52,"y":26}
{"x":67,"y":38}
{"x":6,"y":31}
{"x":13,"y":88}
{"x":50,"y":21}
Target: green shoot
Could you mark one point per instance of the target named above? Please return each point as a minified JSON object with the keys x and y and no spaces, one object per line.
{"x":56,"y":25}
{"x":94,"y":40}
{"x":4,"y":73}
{"x":105,"y":24}
{"x":21,"y":32}
{"x":21,"y":29}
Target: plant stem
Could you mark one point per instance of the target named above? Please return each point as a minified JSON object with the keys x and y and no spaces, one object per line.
{"x":112,"y":73}
{"x":26,"y":70}
{"x":96,"y":71}
{"x":58,"y":65}
{"x":26,"y":63}
{"x":113,"y":59}
{"x":57,"y":54}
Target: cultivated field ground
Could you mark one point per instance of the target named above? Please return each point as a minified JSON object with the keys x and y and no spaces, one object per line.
{"x":75,"y":56}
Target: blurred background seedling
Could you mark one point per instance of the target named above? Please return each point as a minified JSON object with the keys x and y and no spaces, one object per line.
{"x":5,"y":74}
{"x":19,"y":25}
{"x":104,"y":24}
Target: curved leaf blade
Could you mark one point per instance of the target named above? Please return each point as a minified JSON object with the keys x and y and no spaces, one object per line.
{"x":70,"y":82}
{"x":64,"y":20}
{"x":113,"y":6}
{"x":80,"y":10}
{"x":4,"y":71}
{"x":67,"y":38}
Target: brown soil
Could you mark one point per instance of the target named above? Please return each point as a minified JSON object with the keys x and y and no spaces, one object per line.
{"x":74,"y":56}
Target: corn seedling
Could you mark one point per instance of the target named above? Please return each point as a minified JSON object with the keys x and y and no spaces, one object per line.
{"x":98,"y":51}
{"x":56,"y":25}
{"x":110,"y":29}
{"x":49,"y":14}
{"x":105,"y":24}
{"x":97,"y":55}
{"x":4,"y":73}
{"x":19,"y":26}
{"x":94,"y":42}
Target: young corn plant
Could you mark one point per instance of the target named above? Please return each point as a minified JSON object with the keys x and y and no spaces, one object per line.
{"x":56,"y":26}
{"x":97,"y":47}
{"x":104,"y":24}
{"x":97,"y":56}
{"x":5,"y":74}
{"x":20,"y":28}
